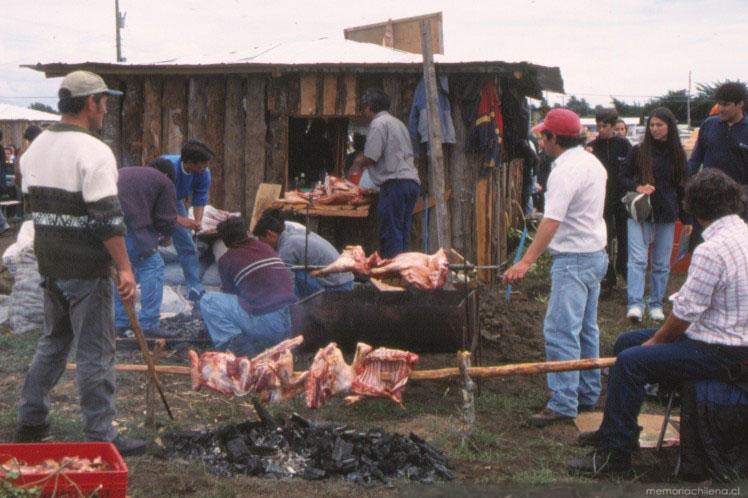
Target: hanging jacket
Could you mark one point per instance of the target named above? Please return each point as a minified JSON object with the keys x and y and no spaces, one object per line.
{"x":418,"y":122}
{"x":486,"y":129}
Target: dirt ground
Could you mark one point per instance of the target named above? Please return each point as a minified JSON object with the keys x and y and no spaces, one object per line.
{"x":501,"y":449}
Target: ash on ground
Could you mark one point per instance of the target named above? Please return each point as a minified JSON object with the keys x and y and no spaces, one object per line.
{"x":185,"y":326}
{"x":302,"y":448}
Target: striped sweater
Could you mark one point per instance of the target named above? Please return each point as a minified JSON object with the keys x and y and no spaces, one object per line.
{"x":69,"y":177}
{"x":253,"y":271}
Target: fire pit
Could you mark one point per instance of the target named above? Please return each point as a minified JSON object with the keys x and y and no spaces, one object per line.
{"x":422,"y":322}
{"x":298,"y":447}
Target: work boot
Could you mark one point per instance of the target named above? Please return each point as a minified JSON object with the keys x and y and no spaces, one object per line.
{"x":593,"y":438}
{"x":129,"y":446}
{"x":546,"y":416}
{"x":31,"y":433}
{"x":601,"y":461}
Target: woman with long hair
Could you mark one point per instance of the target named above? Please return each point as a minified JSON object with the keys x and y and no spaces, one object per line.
{"x":656,"y":167}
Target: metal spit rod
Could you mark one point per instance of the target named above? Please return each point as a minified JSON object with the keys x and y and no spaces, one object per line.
{"x":454,"y":267}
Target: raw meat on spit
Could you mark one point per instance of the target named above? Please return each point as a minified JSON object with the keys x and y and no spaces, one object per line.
{"x":328,"y":375}
{"x":353,"y":258}
{"x":381,"y":372}
{"x":268,"y":375}
{"x":422,"y":271}
{"x":418,"y":270}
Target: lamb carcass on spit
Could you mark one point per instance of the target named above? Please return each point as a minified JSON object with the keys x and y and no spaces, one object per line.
{"x":352,"y":258}
{"x":381,"y":372}
{"x":328,"y":375}
{"x":269,"y":375}
{"x":421,"y":271}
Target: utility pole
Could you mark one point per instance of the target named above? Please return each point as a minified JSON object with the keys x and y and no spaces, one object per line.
{"x":688,"y":102}
{"x":119,"y":20}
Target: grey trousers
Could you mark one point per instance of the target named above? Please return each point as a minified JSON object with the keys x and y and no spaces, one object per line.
{"x":75,"y":310}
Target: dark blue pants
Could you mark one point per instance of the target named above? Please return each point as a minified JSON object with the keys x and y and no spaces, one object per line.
{"x":397,"y":198}
{"x":636,"y":365}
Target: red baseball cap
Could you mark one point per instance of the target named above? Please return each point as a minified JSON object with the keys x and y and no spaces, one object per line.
{"x":560,"y":121}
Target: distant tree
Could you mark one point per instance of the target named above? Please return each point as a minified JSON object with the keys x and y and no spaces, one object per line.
{"x":580,"y":106}
{"x":38,"y":106}
{"x":628,"y":110}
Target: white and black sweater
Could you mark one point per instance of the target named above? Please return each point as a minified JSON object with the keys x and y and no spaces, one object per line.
{"x":70,"y":179}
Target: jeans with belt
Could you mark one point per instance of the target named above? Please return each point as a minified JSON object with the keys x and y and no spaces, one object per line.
{"x":640,"y":235}
{"x":187,"y":252}
{"x":397,"y":198}
{"x":75,"y":311}
{"x":570,"y":327}
{"x":149,"y":274}
{"x":671,"y":363}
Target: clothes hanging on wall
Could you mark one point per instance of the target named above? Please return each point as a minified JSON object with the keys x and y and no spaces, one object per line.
{"x":481,"y":111}
{"x":418,"y":122}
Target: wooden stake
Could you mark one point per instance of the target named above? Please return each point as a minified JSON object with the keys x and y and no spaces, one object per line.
{"x":468,"y":398}
{"x":436,"y":155}
{"x":150,"y":387}
{"x":438,"y":374}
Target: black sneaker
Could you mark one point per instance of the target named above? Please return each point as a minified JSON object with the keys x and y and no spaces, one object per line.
{"x":601,"y":461}
{"x":31,"y":433}
{"x":129,"y":446}
{"x":195,"y":296}
{"x":125,"y":333}
{"x":589,"y":438}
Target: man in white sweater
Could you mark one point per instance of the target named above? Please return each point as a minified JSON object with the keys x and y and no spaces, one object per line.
{"x":70,"y":180}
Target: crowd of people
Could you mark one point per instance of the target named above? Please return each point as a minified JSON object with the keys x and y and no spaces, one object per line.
{"x":706,"y":335}
{"x":89,"y":216}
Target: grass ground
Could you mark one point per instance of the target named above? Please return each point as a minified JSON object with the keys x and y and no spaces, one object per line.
{"x":501,"y":449}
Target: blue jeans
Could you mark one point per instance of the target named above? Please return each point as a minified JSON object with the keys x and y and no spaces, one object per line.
{"x":232,"y":328}
{"x":306,"y":285}
{"x":570,"y":327}
{"x":187,"y":253}
{"x":149,"y":273}
{"x":640,"y":235}
{"x":397,"y":198}
{"x":673,"y":363}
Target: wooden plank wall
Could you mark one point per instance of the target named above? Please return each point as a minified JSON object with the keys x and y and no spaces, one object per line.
{"x":12,"y":131}
{"x":245,"y":120}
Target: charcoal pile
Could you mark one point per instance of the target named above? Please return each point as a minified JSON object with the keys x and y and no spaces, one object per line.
{"x":189,"y":327}
{"x":298,"y":447}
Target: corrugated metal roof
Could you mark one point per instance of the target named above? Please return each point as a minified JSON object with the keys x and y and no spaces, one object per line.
{"x":10,"y":112}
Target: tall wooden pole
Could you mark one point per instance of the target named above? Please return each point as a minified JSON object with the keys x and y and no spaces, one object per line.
{"x":436,"y":155}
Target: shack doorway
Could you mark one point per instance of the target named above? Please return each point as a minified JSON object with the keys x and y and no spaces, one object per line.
{"x":317,"y":146}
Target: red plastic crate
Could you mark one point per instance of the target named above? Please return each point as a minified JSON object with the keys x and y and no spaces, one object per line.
{"x":113,"y":482}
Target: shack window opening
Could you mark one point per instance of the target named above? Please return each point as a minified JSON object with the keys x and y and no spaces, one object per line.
{"x":317,"y":147}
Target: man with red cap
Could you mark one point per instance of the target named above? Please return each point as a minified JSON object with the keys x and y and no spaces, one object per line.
{"x":574,"y":232}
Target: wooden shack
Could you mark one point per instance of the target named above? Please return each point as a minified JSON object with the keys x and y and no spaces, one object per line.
{"x":15,"y":119}
{"x":246,"y":106}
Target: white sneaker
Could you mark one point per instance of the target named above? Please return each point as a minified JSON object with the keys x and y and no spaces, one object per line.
{"x":634,"y":314}
{"x":656,"y":314}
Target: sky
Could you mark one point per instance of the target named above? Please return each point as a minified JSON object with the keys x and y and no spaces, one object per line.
{"x":631,"y":49}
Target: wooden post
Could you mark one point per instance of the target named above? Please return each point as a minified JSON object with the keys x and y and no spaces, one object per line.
{"x":150,"y":387}
{"x":436,"y":154}
{"x":467,"y":388}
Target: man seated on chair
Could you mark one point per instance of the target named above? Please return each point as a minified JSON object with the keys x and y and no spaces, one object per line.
{"x":251,"y":314}
{"x":704,"y":337}
{"x":296,"y":247}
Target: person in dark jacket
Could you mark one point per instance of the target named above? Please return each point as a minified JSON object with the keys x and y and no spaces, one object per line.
{"x":657,"y":168}
{"x":149,"y":203}
{"x":612,"y":151}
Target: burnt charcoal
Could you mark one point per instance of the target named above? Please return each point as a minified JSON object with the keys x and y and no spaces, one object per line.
{"x":236,"y":450}
{"x":311,"y":450}
{"x":313,"y":474}
{"x":264,"y":415}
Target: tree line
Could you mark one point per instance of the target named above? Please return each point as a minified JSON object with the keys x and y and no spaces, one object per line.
{"x":702,"y":102}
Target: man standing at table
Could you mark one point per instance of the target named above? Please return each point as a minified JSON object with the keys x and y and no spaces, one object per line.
{"x":388,"y":157}
{"x":192,"y":179}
